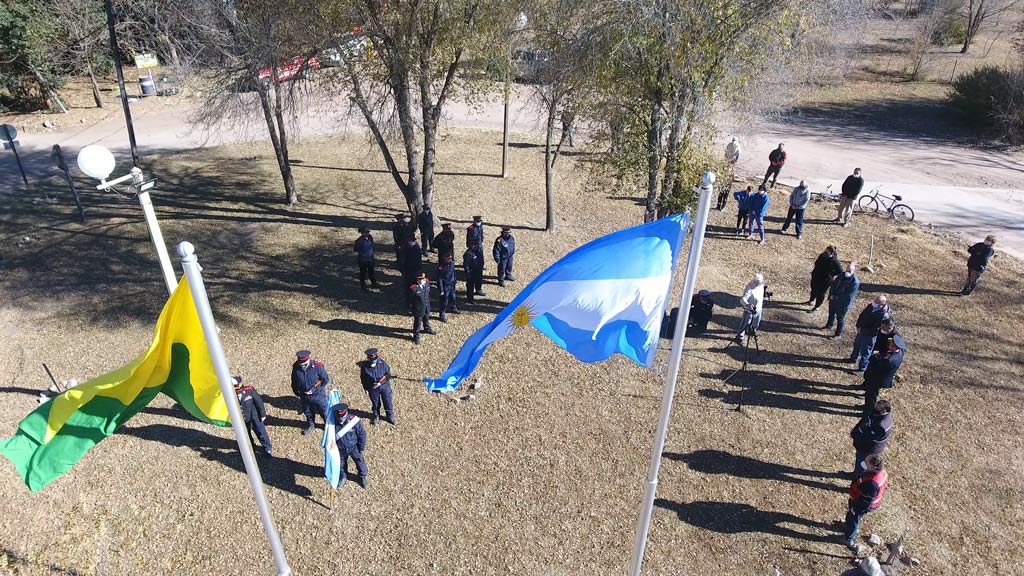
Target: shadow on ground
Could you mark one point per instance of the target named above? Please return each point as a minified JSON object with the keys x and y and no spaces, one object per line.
{"x":737,"y":518}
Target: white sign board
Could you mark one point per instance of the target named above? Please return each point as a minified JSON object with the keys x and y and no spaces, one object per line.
{"x":146,"y":60}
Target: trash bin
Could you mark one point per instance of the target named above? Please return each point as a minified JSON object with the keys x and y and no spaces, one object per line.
{"x":148,"y":86}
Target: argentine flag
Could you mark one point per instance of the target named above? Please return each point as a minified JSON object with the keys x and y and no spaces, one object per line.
{"x":332,"y":459}
{"x":606,"y":296}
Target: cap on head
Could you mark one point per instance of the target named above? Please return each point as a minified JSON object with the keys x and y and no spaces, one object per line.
{"x":446,"y":225}
{"x":704,"y":293}
{"x":363,"y":229}
{"x":421,"y":276}
{"x":478,"y":218}
{"x":506,"y":229}
{"x":340,"y":409}
{"x":734,"y":139}
{"x":371,"y":352}
{"x":238,"y":381}
{"x":425,"y":207}
{"x":303,"y":354}
{"x":401,"y":216}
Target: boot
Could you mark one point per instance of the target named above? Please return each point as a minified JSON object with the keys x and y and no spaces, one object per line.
{"x":309,"y":429}
{"x":428,"y":330}
{"x":364,"y":482}
{"x":442,"y":318}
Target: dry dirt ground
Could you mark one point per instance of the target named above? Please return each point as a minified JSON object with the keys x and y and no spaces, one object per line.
{"x":543,"y":472}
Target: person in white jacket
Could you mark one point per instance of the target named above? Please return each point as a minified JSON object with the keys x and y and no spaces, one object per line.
{"x":752,"y":302}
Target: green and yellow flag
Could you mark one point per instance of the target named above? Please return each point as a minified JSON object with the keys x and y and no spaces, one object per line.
{"x":55,"y":436}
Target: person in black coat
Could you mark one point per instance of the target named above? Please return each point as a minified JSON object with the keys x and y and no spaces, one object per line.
{"x":419,"y":297}
{"x":425,"y":221}
{"x":364,"y":256}
{"x":871,"y":435}
{"x":399,"y":232}
{"x":475,"y":231}
{"x":444,"y":242}
{"x":254,"y":414}
{"x":826,"y":267}
{"x":852,"y":186}
{"x":702,"y":307}
{"x":375,"y":376}
{"x":886,"y":331}
{"x":868,"y":323}
{"x":980,"y":253}
{"x":881,"y":370}
{"x":447,"y":284}
{"x":412,"y":260}
{"x":350,"y":437}
{"x":309,"y":383}
{"x":473,"y":263}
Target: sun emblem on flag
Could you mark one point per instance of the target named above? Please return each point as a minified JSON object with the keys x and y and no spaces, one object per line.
{"x":522,"y":316}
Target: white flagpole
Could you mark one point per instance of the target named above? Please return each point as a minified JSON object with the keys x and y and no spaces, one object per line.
{"x":193,"y":274}
{"x":675,"y":359}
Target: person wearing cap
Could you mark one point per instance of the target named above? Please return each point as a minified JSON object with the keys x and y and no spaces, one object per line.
{"x":852,"y":186}
{"x":444,"y":242}
{"x":364,"y":256}
{"x":865,"y":493}
{"x":868,"y":567}
{"x":473,"y":264}
{"x":399,"y":232}
{"x":504,"y":251}
{"x":871,"y":435}
{"x":881,"y":370}
{"x":350,"y":437}
{"x":701,"y":309}
{"x":412,"y":260}
{"x":868,"y":323}
{"x":446,"y":282}
{"x":254,"y":414}
{"x":375,"y":376}
{"x":425,"y":223}
{"x":841,"y":295}
{"x":980,"y":253}
{"x":826,"y":267}
{"x":475,"y":231}
{"x":419,"y":298}
{"x":309,"y":383}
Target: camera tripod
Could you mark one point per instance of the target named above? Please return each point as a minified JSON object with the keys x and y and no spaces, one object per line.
{"x":751,"y":336}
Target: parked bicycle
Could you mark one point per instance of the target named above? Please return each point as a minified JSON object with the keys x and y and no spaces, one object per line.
{"x":826,"y":195}
{"x":868,"y":203}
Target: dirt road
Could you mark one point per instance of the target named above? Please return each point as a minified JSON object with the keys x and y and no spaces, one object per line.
{"x":966,"y":190}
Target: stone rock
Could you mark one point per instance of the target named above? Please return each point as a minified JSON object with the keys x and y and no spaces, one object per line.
{"x":876,"y":540}
{"x":81,"y":120}
{"x":861,"y":550}
{"x":915,"y":562}
{"x":47,"y":124}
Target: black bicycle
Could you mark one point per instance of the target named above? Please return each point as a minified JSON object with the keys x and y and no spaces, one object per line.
{"x":893,"y":205}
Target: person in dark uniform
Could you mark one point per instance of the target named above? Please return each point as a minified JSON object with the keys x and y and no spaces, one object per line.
{"x":881,"y":370}
{"x":826,"y":267}
{"x":309,"y":383}
{"x":412,"y":260}
{"x":254,"y":414}
{"x":504,"y":251}
{"x":701,"y":309}
{"x":475,"y":231}
{"x":865,"y":496}
{"x":350,"y":437}
{"x":447,"y":285}
{"x":375,"y":375}
{"x":473,"y":264}
{"x":871,"y":435}
{"x":364,"y":255}
{"x":425,"y":222}
{"x":445,"y":241}
{"x":419,"y":298}
{"x":401,"y":230}
{"x":980,"y":253}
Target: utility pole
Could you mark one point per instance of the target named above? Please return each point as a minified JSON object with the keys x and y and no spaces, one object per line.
{"x":115,"y":53}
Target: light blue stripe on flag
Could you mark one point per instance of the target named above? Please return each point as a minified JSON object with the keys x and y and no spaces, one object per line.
{"x":332,"y":459}
{"x":606,"y":296}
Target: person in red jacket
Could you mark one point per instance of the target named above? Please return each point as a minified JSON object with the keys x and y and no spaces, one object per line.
{"x":776,"y":158}
{"x":865,"y":496}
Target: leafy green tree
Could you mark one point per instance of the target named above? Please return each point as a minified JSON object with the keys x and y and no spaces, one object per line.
{"x":28,"y":74}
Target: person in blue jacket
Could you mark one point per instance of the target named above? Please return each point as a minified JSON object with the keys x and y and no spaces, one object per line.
{"x":741,"y":197}
{"x":309,"y":383}
{"x":350,"y":436}
{"x":364,"y":255}
{"x":504,"y":252}
{"x":980,"y":253}
{"x":757,"y":206}
{"x":840,"y":298}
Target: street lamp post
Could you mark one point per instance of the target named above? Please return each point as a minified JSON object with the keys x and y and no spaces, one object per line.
{"x":97,"y":162}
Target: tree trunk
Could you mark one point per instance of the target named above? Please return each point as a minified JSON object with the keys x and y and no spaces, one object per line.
{"x":95,"y":86}
{"x":430,"y":122}
{"x":45,"y":88}
{"x":268,"y":115}
{"x":653,"y":155}
{"x":549,"y":170}
{"x":407,"y":125}
{"x":671,"y":158}
{"x":291,"y":195}
{"x":974,"y":17}
{"x":359,"y":97}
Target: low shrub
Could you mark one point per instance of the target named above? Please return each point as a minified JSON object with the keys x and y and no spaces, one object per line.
{"x":992,"y":98}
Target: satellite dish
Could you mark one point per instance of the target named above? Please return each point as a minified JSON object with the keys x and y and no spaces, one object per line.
{"x":96,"y":161}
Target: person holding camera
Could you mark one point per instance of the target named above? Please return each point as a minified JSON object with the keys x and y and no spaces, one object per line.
{"x":752,"y":302}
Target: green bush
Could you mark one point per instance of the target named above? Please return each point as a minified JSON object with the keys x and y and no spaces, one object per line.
{"x":992,"y":98}
{"x":949,"y":31}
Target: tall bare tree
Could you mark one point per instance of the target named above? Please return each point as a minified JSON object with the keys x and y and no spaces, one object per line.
{"x":978,"y":13}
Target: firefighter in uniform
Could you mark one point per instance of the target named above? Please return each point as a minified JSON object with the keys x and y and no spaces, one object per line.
{"x":364,"y":255}
{"x":504,"y":251}
{"x":419,"y":304}
{"x":254,"y":414}
{"x":425,"y":222}
{"x":350,"y":437}
{"x":401,"y":230}
{"x":475,"y":231}
{"x":446,"y":283}
{"x":473,"y":263}
{"x":375,"y":376}
{"x":865,"y":496}
{"x":309,"y":383}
